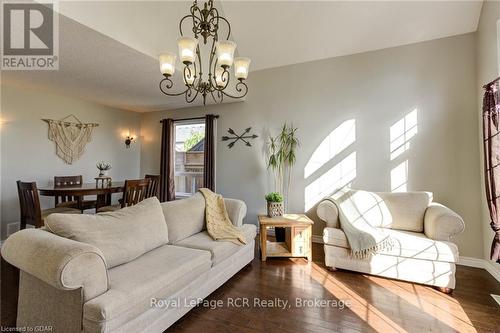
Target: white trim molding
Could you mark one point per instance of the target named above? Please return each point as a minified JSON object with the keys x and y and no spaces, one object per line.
{"x":492,"y":268}
{"x":488,"y":265}
{"x":471,"y":262}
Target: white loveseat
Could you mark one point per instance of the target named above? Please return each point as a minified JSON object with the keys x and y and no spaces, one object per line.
{"x":73,"y":286}
{"x":422,"y":231}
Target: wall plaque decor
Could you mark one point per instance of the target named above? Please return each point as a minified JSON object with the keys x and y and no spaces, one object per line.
{"x":70,"y":137}
{"x":245,"y":137}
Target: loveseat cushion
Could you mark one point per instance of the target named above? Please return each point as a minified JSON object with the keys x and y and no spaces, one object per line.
{"x":122,"y":235}
{"x":220,"y":250}
{"x":401,"y":211}
{"x":407,"y":209}
{"x":406,"y":244}
{"x":157,"y":274}
{"x":184,"y":217}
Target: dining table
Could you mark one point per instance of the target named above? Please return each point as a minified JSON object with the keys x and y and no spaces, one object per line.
{"x":102,"y":191}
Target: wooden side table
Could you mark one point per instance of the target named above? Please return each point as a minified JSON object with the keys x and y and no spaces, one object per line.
{"x":298,"y":236}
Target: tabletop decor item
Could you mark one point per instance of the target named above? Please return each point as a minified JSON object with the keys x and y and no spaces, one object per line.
{"x":103,"y":181}
{"x":275,"y":209}
{"x":245,"y":137}
{"x":70,"y":137}
{"x":103,"y":168}
{"x":274,"y":204}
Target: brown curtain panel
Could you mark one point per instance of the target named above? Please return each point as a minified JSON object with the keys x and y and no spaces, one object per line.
{"x":209,"y":158}
{"x":167,"y":163}
{"x":491,"y":161}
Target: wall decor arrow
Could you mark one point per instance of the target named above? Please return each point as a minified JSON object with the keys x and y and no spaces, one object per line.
{"x":245,"y":137}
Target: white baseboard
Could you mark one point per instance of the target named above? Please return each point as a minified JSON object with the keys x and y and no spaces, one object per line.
{"x":488,"y":265}
{"x":471,"y":262}
{"x":492,"y":268}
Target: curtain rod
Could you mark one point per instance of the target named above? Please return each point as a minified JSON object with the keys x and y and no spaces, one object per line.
{"x":193,"y":118}
{"x":490,"y":83}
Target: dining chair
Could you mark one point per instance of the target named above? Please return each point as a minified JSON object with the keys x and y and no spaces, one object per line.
{"x":154,"y":185}
{"x":29,"y":203}
{"x":134,"y":191}
{"x":68,"y":200}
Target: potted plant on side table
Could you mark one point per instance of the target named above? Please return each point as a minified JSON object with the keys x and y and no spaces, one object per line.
{"x":275,"y":208}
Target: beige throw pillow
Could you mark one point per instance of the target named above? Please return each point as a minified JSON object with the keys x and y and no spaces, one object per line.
{"x":122,"y":235}
{"x":184,"y":217}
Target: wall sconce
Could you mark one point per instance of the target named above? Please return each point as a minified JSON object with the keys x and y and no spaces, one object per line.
{"x":128,"y":141}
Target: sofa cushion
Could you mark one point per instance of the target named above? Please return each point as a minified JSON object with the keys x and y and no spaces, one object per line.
{"x":122,"y":235}
{"x":401,"y":211}
{"x":407,"y":209}
{"x":184,"y":217}
{"x":157,"y":274}
{"x":220,"y":250}
{"x":406,"y":244}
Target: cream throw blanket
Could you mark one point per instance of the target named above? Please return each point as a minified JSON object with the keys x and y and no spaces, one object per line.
{"x":219,"y":225}
{"x":359,"y":212}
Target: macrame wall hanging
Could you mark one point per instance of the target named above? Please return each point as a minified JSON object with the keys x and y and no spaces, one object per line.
{"x":70,"y":137}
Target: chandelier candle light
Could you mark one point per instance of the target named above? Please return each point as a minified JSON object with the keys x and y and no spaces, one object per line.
{"x":205,"y":26}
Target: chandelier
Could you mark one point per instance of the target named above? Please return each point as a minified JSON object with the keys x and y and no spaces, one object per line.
{"x":205,"y":24}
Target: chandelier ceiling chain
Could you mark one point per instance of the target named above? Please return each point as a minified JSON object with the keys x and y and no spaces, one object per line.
{"x":205,"y":27}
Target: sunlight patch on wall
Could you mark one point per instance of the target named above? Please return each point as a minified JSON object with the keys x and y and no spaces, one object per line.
{"x":339,"y":139}
{"x":399,"y":177}
{"x":337,"y":177}
{"x":402,"y":132}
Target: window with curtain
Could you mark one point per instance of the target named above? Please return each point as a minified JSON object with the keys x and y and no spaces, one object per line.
{"x":187,"y":160}
{"x":189,"y":157}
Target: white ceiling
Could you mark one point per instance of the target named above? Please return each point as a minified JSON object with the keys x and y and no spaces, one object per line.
{"x":108,"y":49}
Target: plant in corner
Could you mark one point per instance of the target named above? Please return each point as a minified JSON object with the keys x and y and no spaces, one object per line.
{"x":282,"y":158}
{"x":274,"y":204}
{"x":103,"y":168}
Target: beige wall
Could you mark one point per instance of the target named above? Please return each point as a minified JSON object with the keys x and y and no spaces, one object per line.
{"x":487,"y":70}
{"x":28,"y":155}
{"x":375,"y":90}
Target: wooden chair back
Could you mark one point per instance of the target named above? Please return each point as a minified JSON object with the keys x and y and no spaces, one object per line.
{"x":154,"y":185}
{"x":134,"y":191}
{"x":67,"y":181}
{"x":29,"y":203}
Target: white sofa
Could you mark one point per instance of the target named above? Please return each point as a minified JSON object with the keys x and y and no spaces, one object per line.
{"x":422,"y":231}
{"x":70,"y":286}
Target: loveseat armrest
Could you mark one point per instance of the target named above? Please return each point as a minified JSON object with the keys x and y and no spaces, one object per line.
{"x":62,"y":263}
{"x":328,"y":212}
{"x":237,"y":210}
{"x":441,"y":223}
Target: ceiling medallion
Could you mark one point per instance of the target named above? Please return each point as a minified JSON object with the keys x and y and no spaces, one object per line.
{"x":205,"y":27}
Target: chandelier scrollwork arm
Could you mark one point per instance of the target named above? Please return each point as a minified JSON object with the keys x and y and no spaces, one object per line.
{"x":240,"y":87}
{"x":169,"y":84}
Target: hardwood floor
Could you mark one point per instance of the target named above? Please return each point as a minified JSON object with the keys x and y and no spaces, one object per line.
{"x":375,"y":304}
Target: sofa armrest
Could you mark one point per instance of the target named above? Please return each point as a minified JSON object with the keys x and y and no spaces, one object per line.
{"x":441,"y":223}
{"x":237,"y":210}
{"x":329,"y":213}
{"x":63,"y":263}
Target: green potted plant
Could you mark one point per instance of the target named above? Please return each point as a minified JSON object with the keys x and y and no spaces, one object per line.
{"x":274,"y":204}
{"x":103,"y":168}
